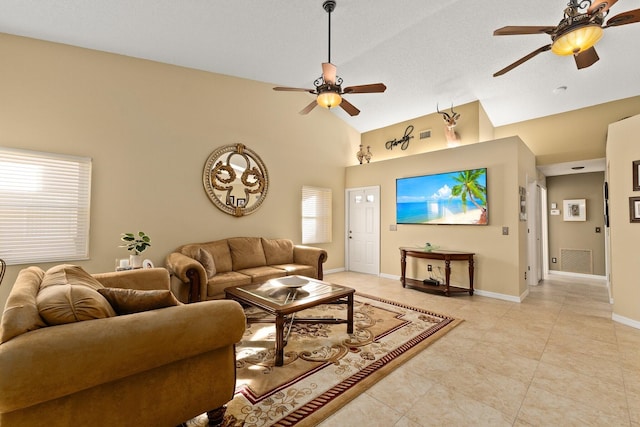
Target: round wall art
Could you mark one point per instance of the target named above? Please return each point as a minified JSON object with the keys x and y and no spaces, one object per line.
{"x":235,"y":179}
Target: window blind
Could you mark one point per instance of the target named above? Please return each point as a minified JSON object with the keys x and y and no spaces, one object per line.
{"x":316,"y":215}
{"x":44,"y":206}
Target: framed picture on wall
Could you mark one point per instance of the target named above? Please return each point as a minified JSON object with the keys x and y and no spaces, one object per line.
{"x":523,"y":203}
{"x":634,"y":209}
{"x":636,"y":175}
{"x":575,"y":209}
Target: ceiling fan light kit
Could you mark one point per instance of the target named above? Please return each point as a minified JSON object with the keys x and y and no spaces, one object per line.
{"x":578,"y":40}
{"x":328,"y":87}
{"x":329,"y":97}
{"x":577,"y":33}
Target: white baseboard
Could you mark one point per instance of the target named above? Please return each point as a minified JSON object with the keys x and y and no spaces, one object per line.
{"x":625,"y":321}
{"x":335,"y":270}
{"x":499,"y":296}
{"x":389,"y":276}
{"x":579,"y":275}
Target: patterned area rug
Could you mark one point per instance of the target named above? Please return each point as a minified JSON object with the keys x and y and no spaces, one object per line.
{"x":324,"y":367}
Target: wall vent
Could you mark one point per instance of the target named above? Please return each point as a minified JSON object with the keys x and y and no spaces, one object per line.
{"x":424,"y":134}
{"x":576,"y":260}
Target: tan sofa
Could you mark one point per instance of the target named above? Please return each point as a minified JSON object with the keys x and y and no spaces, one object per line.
{"x":202,"y":271}
{"x":159,"y":367}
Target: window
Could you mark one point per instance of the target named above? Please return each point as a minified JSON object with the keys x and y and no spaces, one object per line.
{"x":316,"y":215}
{"x":44,"y":206}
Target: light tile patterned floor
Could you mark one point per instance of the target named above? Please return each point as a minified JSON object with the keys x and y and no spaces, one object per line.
{"x":556,"y":359}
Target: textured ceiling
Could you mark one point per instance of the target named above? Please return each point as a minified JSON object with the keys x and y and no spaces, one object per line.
{"x":426,"y":52}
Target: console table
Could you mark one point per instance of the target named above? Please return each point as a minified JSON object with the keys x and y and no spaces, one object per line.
{"x":444,"y":255}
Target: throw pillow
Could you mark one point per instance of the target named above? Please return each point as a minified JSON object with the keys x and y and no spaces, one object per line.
{"x":68,"y":303}
{"x":128,"y":301}
{"x":203,"y":257}
{"x":69,"y":274}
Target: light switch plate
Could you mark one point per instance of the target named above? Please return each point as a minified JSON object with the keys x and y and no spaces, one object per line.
{"x":505,"y":231}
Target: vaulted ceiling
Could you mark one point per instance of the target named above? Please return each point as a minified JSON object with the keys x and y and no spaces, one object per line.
{"x":427,"y":52}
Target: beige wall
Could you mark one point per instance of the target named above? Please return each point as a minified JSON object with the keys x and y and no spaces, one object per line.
{"x":622,"y":149}
{"x":468,"y":129}
{"x":501,"y":260}
{"x":149,"y":129}
{"x":577,"y":235}
{"x":575,"y":135}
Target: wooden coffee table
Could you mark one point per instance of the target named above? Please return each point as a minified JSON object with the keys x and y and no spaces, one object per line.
{"x":286,"y":296}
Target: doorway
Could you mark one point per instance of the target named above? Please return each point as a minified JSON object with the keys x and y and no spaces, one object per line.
{"x":362,"y":239}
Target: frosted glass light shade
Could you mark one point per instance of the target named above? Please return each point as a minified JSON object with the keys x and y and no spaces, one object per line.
{"x":577,"y":40}
{"x":329,"y":99}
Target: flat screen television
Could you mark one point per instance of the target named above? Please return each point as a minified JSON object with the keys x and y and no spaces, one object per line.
{"x":458,"y":197}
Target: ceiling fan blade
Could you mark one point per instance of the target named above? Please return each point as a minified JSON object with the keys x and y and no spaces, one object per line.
{"x":294,"y":89}
{"x":522,"y":60}
{"x":329,"y":72}
{"x":309,"y":107}
{"x":514,"y":30}
{"x":586,"y":58}
{"x":349,"y":108}
{"x":371,"y":88}
{"x":624,"y":18}
{"x":600,"y":6}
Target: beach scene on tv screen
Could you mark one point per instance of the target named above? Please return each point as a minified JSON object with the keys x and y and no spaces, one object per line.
{"x":448,"y":198}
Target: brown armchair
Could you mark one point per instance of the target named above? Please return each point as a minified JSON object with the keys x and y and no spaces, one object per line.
{"x":159,"y":367}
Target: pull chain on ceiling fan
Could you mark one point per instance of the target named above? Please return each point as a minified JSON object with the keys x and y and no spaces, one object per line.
{"x":576,"y":34}
{"x":328,"y":87}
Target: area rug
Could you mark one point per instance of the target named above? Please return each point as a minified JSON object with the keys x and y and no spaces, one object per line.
{"x":324,"y":367}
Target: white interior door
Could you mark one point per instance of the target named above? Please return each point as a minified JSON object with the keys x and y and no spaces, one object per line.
{"x":363,"y":230}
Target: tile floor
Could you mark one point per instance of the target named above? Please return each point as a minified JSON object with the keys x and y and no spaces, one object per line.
{"x":556,"y":359}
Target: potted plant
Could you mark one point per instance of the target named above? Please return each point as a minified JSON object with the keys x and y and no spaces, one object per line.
{"x":135,"y":244}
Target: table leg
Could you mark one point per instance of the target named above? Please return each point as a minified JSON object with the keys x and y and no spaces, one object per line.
{"x":279,"y":339}
{"x":447,"y":276}
{"x":403,"y":268}
{"x":350,"y":313}
{"x":471,"y":275}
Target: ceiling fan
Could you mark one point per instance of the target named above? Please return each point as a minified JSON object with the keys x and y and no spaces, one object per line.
{"x":328,"y":87}
{"x":576,"y":34}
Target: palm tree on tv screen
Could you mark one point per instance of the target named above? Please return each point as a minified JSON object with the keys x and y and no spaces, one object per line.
{"x":469,"y":188}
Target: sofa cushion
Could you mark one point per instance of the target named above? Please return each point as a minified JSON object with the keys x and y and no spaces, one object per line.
{"x":220,"y":253}
{"x":263,"y":273}
{"x":298,"y":269}
{"x":217,"y":284}
{"x":201,"y":255}
{"x":21,"y":312}
{"x":69,"y":274}
{"x":278,"y":251}
{"x":69,"y":303}
{"x":246,"y":252}
{"x":127,"y":301}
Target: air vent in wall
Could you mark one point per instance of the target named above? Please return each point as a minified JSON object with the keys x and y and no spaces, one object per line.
{"x":424,"y":134}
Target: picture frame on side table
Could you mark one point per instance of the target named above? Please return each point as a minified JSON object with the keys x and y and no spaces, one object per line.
{"x":636,"y":175}
{"x":575,"y":209}
{"x":634,"y":209}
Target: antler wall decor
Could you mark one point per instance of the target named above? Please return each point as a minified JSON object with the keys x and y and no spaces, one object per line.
{"x":450,"y":120}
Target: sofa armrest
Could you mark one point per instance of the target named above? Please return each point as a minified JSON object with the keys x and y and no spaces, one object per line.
{"x":140,"y":279}
{"x":309,"y":255}
{"x":191,"y":273}
{"x":51,"y":362}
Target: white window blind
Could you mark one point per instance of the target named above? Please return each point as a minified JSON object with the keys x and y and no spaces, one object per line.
{"x":316,"y":215}
{"x":44,"y":206}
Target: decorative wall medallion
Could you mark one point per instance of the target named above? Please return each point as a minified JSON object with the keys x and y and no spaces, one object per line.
{"x":235,"y":179}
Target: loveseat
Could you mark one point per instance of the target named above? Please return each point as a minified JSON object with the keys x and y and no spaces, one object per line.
{"x":202,"y":271}
{"x":70,"y":356}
